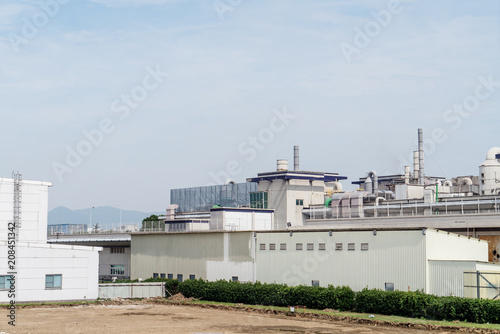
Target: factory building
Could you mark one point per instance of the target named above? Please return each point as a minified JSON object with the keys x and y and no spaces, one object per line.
{"x":415,"y":259}
{"x":34,"y":269}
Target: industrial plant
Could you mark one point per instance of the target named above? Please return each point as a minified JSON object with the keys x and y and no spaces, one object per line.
{"x":392,"y":232}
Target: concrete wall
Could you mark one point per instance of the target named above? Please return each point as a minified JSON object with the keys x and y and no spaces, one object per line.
{"x":282,"y":196}
{"x":77,"y":265}
{"x":209,"y":255}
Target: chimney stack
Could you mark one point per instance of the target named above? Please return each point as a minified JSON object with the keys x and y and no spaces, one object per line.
{"x":421,"y":156}
{"x":296,"y":158}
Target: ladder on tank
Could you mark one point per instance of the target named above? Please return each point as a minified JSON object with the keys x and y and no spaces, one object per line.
{"x":18,"y":178}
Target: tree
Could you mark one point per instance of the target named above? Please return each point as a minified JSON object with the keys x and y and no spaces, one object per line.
{"x":152,"y":222}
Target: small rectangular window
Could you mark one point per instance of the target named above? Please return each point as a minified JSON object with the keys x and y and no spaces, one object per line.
{"x":53,"y":281}
{"x":322,"y":246}
{"x":5,"y":282}
{"x":262,"y":246}
{"x":282,"y":246}
{"x":389,"y":286}
{"x":272,"y":246}
{"x":315,"y":283}
{"x":234,"y":278}
{"x":162,"y":275}
{"x":117,"y":269}
{"x":179,"y":277}
{"x":170,"y":276}
{"x":192,"y":277}
{"x":310,"y":246}
{"x":351,"y":246}
{"x":338,"y":246}
{"x":117,"y":250}
{"x":155,"y":275}
{"x":364,"y":246}
{"x":299,"y":202}
{"x":298,"y":246}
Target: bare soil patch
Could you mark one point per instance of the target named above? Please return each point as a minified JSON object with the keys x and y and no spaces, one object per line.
{"x":158,"y":316}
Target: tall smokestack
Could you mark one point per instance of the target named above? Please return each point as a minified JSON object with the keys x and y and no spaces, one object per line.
{"x":420,"y":156}
{"x":295,"y":158}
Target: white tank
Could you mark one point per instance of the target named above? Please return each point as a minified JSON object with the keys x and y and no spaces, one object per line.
{"x":282,"y":165}
{"x":489,"y":173}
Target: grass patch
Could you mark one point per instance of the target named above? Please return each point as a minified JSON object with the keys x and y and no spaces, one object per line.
{"x":381,"y":317}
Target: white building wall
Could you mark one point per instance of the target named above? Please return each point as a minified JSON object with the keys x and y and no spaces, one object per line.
{"x":392,"y":257}
{"x":446,"y":278}
{"x":244,"y":220}
{"x":452,"y":247}
{"x":77,"y":265}
{"x":107,"y":259}
{"x":207,"y":255}
{"x":282,"y":196}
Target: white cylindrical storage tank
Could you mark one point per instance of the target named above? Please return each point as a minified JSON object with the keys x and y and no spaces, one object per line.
{"x":489,"y":173}
{"x":282,"y":165}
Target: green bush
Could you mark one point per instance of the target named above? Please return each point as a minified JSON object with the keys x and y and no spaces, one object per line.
{"x":414,"y":304}
{"x":419,"y":304}
{"x":341,"y":298}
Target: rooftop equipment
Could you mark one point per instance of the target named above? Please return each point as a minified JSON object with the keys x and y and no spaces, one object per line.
{"x":489,"y":173}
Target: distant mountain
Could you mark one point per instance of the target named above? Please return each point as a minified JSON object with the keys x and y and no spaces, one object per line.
{"x":105,"y":216}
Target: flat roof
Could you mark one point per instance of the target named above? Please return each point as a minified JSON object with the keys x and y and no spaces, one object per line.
{"x":297,"y":175}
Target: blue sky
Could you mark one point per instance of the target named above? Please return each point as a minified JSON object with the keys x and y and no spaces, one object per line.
{"x":227,"y":72}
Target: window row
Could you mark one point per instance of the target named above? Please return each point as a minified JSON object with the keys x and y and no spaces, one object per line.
{"x":117,"y":250}
{"x":321,"y":246}
{"x":51,"y":281}
{"x":180,"y":277}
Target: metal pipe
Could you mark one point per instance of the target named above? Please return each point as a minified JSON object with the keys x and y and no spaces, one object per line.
{"x":296,"y":158}
{"x":420,"y":156}
{"x":374,"y":176}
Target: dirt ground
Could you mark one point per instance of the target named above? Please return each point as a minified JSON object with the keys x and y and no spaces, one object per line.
{"x":143,"y":317}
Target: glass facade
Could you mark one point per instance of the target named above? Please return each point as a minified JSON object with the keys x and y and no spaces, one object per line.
{"x":204,"y":198}
{"x":258,"y":200}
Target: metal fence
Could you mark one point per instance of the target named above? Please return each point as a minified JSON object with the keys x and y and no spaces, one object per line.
{"x":482,"y":285}
{"x":203,"y":198}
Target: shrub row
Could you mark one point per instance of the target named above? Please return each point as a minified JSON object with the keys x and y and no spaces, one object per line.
{"x":401,"y":303}
{"x":419,"y":304}
{"x":341,"y":298}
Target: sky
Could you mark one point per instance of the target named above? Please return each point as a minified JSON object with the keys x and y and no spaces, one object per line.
{"x":118,"y":101}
